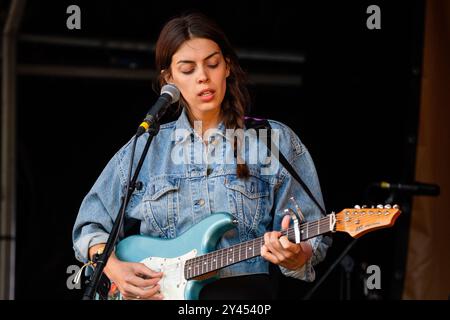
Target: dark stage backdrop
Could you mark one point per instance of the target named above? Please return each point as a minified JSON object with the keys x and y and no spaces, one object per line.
{"x":353,"y":102}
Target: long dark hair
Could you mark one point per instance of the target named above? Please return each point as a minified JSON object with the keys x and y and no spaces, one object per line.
{"x":237,"y":99}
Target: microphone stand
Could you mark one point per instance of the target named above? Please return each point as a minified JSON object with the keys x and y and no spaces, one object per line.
{"x":102,"y":259}
{"x":338,"y":260}
{"x":327,"y":273}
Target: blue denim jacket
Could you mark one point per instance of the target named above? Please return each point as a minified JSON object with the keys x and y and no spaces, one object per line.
{"x":180,"y":188}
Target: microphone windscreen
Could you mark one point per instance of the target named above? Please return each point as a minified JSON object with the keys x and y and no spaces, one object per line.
{"x":171,"y":90}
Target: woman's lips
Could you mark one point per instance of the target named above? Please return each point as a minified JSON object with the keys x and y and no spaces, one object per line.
{"x":207,"y":95}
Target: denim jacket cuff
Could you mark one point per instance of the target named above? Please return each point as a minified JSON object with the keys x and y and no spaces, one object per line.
{"x":84,"y":243}
{"x":305,"y":272}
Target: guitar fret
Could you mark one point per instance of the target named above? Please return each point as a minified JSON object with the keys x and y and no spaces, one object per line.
{"x":307,"y":230}
{"x":211,"y":261}
{"x":201,"y":263}
{"x":195,"y":266}
{"x":221,"y":260}
{"x":198,"y":266}
{"x":239,"y":252}
{"x":246,"y":252}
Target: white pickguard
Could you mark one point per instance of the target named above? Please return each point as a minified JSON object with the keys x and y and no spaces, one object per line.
{"x":173,"y":282}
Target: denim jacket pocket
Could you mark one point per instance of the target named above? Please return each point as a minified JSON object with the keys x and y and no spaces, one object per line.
{"x":248,"y":201}
{"x":161,"y":205}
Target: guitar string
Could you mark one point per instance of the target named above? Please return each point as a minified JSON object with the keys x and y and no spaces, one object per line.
{"x":312,"y":225}
{"x":303,"y":226}
{"x":219,"y":255}
{"x":317,"y":224}
{"x":236,"y":251}
{"x":210,"y":258}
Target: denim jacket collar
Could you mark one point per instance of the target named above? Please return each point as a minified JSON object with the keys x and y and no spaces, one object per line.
{"x":184,"y":129}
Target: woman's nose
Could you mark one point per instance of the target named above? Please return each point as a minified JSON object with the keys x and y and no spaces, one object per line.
{"x":203,"y":76}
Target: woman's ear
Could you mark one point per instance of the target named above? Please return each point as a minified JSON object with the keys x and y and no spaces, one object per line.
{"x":228,"y":67}
{"x":167,"y":76}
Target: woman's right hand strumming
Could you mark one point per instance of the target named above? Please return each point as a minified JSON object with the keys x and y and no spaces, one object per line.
{"x":134,"y":280}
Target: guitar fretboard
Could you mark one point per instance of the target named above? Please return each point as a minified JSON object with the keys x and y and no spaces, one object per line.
{"x":246,"y":250}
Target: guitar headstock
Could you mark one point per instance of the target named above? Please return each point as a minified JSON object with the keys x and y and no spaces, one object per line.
{"x":360,"y":220}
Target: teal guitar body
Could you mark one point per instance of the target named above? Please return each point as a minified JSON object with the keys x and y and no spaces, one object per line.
{"x":171,"y":255}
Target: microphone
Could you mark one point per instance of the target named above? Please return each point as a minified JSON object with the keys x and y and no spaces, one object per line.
{"x":415,"y":188}
{"x":169,"y":94}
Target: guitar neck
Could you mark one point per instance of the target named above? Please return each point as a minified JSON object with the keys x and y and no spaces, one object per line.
{"x":246,"y":250}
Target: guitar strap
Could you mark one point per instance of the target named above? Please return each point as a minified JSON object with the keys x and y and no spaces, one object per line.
{"x":255,"y":123}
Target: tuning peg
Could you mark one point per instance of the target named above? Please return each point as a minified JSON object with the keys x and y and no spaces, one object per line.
{"x":357,"y":207}
{"x":364,"y":207}
{"x":387,"y":206}
{"x":396,"y":206}
{"x":380,"y":206}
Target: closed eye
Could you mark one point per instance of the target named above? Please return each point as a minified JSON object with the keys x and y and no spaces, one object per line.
{"x":212,"y":66}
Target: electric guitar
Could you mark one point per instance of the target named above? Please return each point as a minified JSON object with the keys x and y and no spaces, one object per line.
{"x":189,"y":261}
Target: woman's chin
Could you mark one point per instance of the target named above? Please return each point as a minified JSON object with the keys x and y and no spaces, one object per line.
{"x":205,"y":108}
